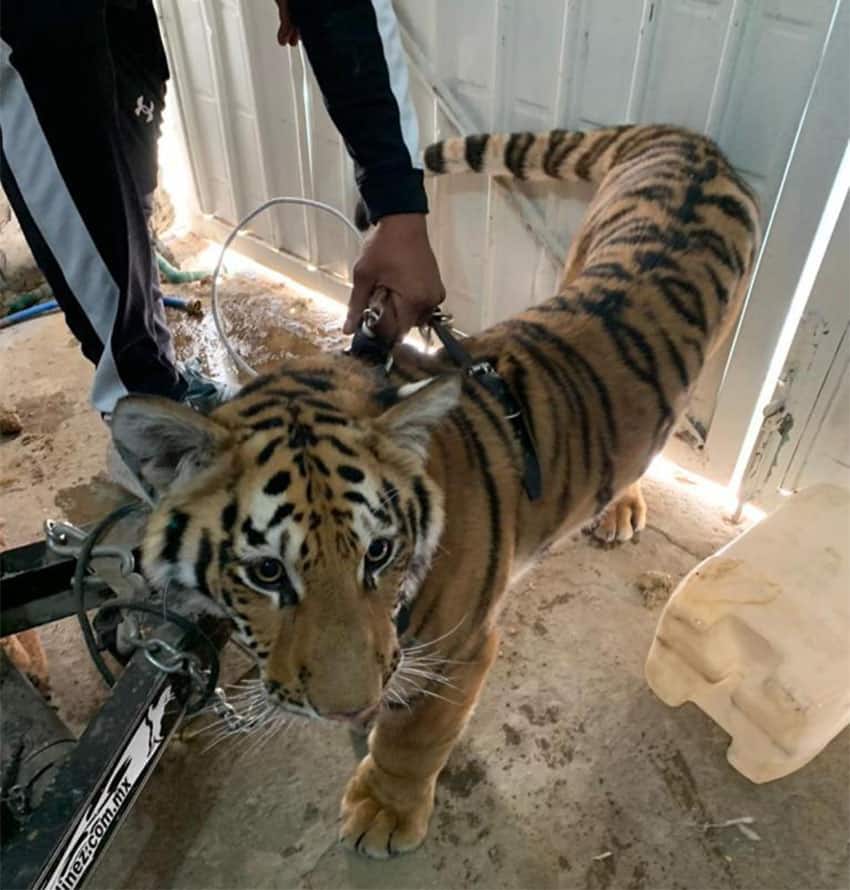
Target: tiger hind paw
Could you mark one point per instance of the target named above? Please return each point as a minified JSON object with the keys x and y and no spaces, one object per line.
{"x":622,"y":519}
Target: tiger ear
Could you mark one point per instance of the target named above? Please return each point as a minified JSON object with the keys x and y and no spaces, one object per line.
{"x":417,"y":409}
{"x":164,"y":443}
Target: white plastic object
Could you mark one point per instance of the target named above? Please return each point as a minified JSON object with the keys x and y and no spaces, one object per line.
{"x":758,"y":636}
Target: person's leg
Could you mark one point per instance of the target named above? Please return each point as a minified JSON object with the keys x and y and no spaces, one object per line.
{"x":141,"y":74}
{"x":66,"y":175}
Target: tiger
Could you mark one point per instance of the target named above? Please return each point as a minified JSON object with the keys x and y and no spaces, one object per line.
{"x":361,"y":527}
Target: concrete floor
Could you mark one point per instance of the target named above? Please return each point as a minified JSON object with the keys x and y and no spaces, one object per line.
{"x":570,"y":775}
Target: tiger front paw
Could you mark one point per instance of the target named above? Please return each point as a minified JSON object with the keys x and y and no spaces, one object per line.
{"x":383,"y":816}
{"x":622,"y":519}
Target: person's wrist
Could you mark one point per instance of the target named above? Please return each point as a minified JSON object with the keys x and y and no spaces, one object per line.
{"x":403,"y":223}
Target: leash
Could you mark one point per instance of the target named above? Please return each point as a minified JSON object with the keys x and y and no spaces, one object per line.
{"x":368,"y":346}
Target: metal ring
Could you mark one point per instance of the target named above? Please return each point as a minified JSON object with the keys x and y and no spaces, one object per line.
{"x":172,"y":668}
{"x":370,"y":318}
{"x":151,"y":647}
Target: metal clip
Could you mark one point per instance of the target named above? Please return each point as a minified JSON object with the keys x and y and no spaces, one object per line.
{"x":443,"y":318}
{"x":370,"y":318}
{"x":66,"y":539}
{"x":222,"y":708}
{"x":153,"y":646}
{"x":481,"y":368}
{"x":374,"y":312}
{"x":177,"y":663}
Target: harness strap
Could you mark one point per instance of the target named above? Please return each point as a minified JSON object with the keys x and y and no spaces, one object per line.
{"x":485,"y":374}
{"x":368,"y":346}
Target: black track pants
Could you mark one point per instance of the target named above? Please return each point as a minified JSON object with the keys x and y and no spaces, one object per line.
{"x":81,"y":91}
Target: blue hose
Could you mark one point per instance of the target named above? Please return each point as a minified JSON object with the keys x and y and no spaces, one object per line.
{"x":27,"y":314}
{"x":190,"y":306}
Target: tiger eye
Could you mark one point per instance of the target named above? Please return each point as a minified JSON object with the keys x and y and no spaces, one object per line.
{"x":378,"y":553}
{"x":266,"y":571}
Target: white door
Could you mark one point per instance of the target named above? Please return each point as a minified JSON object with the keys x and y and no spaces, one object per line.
{"x":726,"y":411}
{"x":805,"y":437}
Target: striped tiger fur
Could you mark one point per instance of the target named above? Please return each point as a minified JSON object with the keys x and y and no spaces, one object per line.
{"x":362,"y":531}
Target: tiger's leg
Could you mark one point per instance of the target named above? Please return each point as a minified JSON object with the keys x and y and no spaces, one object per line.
{"x":623,"y":518}
{"x":26,"y":652}
{"x":388,"y":803}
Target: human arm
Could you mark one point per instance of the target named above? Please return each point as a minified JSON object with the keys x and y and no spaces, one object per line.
{"x":355,"y":52}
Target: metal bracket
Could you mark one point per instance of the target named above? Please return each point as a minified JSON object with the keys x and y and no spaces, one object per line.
{"x":66,"y":539}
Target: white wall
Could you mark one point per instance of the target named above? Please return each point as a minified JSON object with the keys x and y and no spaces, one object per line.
{"x":737,"y":69}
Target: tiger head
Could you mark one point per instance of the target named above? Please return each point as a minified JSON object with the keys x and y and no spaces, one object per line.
{"x":310,"y":516}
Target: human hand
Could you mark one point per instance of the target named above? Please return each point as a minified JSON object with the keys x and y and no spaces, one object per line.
{"x":397,"y":256}
{"x":287,"y":33}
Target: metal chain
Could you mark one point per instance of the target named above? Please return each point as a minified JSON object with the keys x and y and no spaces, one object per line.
{"x":170,"y":660}
{"x":374,"y":312}
{"x":176,"y":661}
{"x":221,"y":707}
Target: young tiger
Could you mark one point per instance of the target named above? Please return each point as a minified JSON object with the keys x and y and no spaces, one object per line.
{"x":362,"y":531}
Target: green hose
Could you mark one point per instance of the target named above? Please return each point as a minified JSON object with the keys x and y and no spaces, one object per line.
{"x":170,"y":273}
{"x":173,"y":275}
{"x":29,"y":298}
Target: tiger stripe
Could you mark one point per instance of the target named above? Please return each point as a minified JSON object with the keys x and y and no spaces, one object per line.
{"x":561,"y":144}
{"x":474,"y":151}
{"x":203,"y":561}
{"x":175,"y":530}
{"x":516,"y":152}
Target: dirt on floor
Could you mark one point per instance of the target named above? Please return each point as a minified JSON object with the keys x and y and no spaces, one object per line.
{"x":571,"y":773}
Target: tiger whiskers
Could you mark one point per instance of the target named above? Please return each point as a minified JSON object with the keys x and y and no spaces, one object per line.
{"x":417,"y":689}
{"x":226,"y":728}
{"x":414,"y":676}
{"x":395,"y":696}
{"x":421,"y":667}
{"x":273,"y":723}
{"x":433,"y":659}
{"x":422,"y":648}
{"x":412,"y":671}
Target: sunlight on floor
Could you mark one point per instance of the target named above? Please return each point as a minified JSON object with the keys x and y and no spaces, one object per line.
{"x":236,"y":263}
{"x":723,"y":497}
